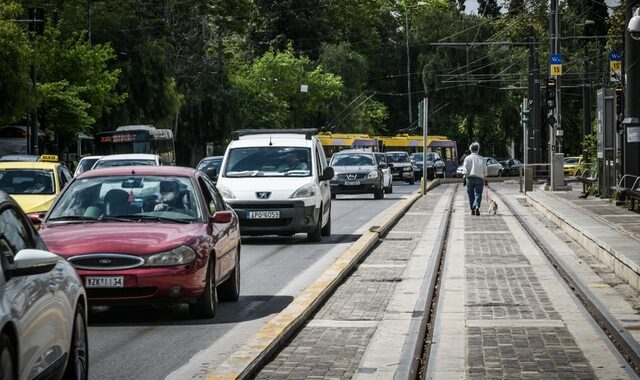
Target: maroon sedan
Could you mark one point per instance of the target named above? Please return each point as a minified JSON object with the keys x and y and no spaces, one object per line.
{"x":148,"y":234}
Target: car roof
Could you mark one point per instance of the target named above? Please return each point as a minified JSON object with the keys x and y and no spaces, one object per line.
{"x":91,"y":158}
{"x":355,"y":151}
{"x":129,"y":156}
{"x":396,"y":152}
{"x":277,"y":140}
{"x":178,"y":171}
{"x":211,"y":158}
{"x":20,"y":157}
{"x":28,"y":165}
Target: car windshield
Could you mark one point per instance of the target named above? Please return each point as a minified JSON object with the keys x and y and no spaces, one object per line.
{"x":124,"y":198}
{"x":271,"y":161}
{"x":417,"y":157}
{"x":210,"y":164}
{"x":352,"y":159}
{"x":27,"y":181}
{"x":111,"y":163}
{"x":571,"y":160}
{"x":85,"y":165}
{"x":397,"y":157}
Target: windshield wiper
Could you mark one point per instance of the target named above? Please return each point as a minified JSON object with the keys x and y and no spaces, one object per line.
{"x":72,"y":218}
{"x":140,"y":217}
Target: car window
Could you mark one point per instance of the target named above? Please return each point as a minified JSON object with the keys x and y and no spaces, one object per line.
{"x":27,"y":181}
{"x":319,"y":165}
{"x":397,"y":157}
{"x":110,"y":163}
{"x":14,"y":234}
{"x":269,"y":161}
{"x":149,"y":196}
{"x":211,"y":193}
{"x":380,"y":157}
{"x":491,"y":161}
{"x":352,"y":159}
{"x":85,"y":164}
{"x":210,"y":164}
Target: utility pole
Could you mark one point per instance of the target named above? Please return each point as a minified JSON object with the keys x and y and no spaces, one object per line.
{"x":586,"y":101}
{"x":533,"y":127}
{"x":406,"y":30}
{"x":554,"y":114}
{"x":631,"y":123}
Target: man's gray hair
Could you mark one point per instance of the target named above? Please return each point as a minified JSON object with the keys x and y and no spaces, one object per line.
{"x":474,"y":148}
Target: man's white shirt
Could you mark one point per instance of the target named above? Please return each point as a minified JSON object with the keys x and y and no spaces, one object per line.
{"x":475,"y":166}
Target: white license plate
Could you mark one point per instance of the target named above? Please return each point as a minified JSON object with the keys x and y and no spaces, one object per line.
{"x":263,"y":214}
{"x":104,"y":282}
{"x":352,"y":183}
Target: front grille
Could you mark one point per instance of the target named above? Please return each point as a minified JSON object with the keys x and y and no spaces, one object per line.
{"x":265,"y":222}
{"x":258,"y":206}
{"x":121,"y":292}
{"x":350,"y":176}
{"x":106,"y":261}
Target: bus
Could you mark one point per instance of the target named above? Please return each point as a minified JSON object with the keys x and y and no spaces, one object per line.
{"x":14,"y":139}
{"x":138,"y":139}
{"x":335,"y":142}
{"x":447,"y":149}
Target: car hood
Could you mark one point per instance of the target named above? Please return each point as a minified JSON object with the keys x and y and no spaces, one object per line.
{"x":34,"y":203}
{"x":352,"y":169}
{"x":117,"y":237}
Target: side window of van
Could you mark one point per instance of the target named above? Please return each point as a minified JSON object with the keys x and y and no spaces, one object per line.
{"x":319,"y":163}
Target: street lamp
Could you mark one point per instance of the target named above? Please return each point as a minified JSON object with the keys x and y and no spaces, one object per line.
{"x":406,"y":31}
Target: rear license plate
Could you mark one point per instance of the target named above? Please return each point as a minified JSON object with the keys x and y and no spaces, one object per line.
{"x":263,"y":214}
{"x":352,"y":183}
{"x":104,"y":282}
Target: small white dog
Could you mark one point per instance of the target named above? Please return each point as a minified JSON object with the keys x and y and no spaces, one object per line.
{"x":493,"y":207}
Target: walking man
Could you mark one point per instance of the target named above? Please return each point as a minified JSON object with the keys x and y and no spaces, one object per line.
{"x":476,"y":176}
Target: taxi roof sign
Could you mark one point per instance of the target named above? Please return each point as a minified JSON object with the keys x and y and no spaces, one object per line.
{"x":49,"y":158}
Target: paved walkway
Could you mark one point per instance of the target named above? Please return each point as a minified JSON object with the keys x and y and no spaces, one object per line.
{"x":503,"y":313}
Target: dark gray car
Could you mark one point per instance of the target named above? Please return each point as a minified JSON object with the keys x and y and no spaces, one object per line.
{"x":357,"y":172}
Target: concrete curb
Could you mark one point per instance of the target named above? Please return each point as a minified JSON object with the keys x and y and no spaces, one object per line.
{"x":249,"y":358}
{"x":616,"y":261}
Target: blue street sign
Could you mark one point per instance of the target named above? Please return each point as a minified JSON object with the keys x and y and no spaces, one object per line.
{"x":555,"y":59}
{"x":615,"y":56}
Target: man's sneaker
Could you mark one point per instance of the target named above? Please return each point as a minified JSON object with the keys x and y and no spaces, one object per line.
{"x":477,"y":210}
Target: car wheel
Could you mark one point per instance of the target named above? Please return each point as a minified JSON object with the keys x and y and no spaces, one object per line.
{"x":316,"y":235}
{"x":378,"y":193}
{"x":412,"y":181}
{"x":7,"y":358}
{"x":78,"y":363}
{"x":326,"y":230}
{"x":207,"y":304}
{"x":390,"y":188}
{"x":230,"y":289}
{"x":333,"y":196}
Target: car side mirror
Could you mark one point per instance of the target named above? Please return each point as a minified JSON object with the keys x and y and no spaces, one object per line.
{"x":327,"y":174}
{"x":212,"y":174}
{"x":222,"y":217}
{"x":32,"y":261}
{"x":383,"y":165}
{"x":36,"y":219}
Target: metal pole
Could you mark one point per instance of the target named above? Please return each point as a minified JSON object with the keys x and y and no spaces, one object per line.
{"x":425,"y":132}
{"x":406,"y":30}
{"x":586,"y":101}
{"x":631,"y":123}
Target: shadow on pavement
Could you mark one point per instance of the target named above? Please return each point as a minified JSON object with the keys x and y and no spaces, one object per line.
{"x":298,"y":239}
{"x":247,"y":308}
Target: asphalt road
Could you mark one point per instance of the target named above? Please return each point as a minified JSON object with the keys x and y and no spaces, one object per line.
{"x":153,"y":342}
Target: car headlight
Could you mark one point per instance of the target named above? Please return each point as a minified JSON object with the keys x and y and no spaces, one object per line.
{"x":225,"y":192}
{"x":372,"y":174}
{"x":407,"y":168}
{"x":177,"y":256}
{"x":306,"y":191}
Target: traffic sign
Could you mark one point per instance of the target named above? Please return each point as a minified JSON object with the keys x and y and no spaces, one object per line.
{"x":615,"y":56}
{"x":555,"y":64}
{"x":615,"y":66}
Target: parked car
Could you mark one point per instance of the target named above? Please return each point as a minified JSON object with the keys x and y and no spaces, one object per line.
{"x":34,"y":184}
{"x":401,"y":167}
{"x":43,"y":310}
{"x":129,"y":160}
{"x":387,"y":177}
{"x":510,"y":166}
{"x":211,"y":166}
{"x":278,"y":182}
{"x":357,"y":172}
{"x":148,"y":234}
{"x":573,"y":166}
{"x":493,"y":168}
{"x":85,"y":163}
{"x":436,"y":166}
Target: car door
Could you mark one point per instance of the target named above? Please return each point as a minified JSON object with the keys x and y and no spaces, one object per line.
{"x":223,"y":238}
{"x":493,"y":167}
{"x":325,"y":189}
{"x":39,"y":315}
{"x":386,"y":172}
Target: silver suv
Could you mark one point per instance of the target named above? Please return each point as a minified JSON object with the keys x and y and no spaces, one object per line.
{"x":357,"y":172}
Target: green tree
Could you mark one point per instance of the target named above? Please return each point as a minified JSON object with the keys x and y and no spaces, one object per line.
{"x":283,"y":91}
{"x":75,"y":84}
{"x":16,"y":95}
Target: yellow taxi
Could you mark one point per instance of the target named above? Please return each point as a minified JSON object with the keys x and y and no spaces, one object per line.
{"x":572,"y":165}
{"x":34,"y":184}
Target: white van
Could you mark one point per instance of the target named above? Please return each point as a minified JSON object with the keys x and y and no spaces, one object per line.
{"x":277,"y":181}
